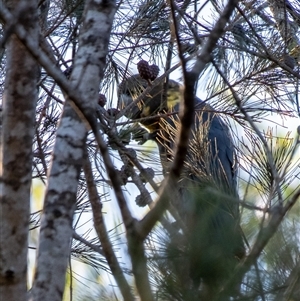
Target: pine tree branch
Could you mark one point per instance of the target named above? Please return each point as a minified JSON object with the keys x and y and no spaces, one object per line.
{"x":79,"y":103}
{"x":286,"y":28}
{"x":64,"y":208}
{"x":166,"y":190}
{"x":215,"y":34}
{"x":276,"y":177}
{"x":101,"y":230}
{"x":139,"y":264}
{"x":276,"y":216}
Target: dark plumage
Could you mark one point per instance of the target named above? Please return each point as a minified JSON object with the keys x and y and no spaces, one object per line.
{"x":207,"y":202}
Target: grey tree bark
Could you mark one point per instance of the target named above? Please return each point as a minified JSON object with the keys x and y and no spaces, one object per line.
{"x":56,"y":226}
{"x":17,"y":137}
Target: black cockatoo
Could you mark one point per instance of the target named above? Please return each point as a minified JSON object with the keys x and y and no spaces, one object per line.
{"x":207,"y":196}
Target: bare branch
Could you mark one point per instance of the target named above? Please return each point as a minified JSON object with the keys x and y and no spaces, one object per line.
{"x":100,"y":227}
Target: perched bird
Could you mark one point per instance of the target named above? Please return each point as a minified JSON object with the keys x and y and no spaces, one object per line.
{"x":212,"y":243}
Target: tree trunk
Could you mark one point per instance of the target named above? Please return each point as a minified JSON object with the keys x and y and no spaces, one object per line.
{"x":60,"y":201}
{"x":17,"y":136}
